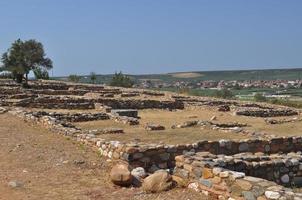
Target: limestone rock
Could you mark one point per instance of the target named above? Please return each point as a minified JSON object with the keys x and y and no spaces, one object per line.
{"x":159,"y":181}
{"x":180,"y":182}
{"x":272,"y":195}
{"x":120,"y":175}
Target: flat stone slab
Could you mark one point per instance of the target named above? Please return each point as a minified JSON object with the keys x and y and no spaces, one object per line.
{"x":125,"y":112}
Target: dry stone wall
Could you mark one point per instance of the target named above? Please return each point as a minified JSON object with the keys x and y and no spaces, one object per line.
{"x":267,"y":112}
{"x":203,"y":175}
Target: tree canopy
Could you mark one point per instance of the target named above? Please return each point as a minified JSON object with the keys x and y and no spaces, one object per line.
{"x":23,"y":57}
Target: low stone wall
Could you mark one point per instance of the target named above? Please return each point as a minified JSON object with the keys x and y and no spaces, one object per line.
{"x":280,"y":168}
{"x":204,"y":176}
{"x":73,"y":117}
{"x":140,"y":104}
{"x":59,"y":92}
{"x":155,"y":156}
{"x":65,"y":102}
{"x":50,"y":102}
{"x":267,"y":112}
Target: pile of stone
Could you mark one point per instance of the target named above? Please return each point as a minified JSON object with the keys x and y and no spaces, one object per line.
{"x":224,"y":108}
{"x":154,"y":127}
{"x":125,"y":120}
{"x":219,"y":183}
{"x":187,"y":124}
{"x":106,"y":131}
{"x":281,"y":121}
{"x":228,"y":127}
{"x":124,"y":175}
{"x":129,"y":94}
{"x":267,"y":112}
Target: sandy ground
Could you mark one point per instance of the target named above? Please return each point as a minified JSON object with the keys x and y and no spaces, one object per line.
{"x":50,"y":166}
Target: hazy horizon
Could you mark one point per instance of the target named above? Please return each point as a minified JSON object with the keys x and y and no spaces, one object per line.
{"x":143,"y":37}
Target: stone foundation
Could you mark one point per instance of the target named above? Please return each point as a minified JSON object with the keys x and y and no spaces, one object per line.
{"x":203,"y":174}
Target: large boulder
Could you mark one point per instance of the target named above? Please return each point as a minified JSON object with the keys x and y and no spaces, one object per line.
{"x":120,"y":175}
{"x":159,"y":181}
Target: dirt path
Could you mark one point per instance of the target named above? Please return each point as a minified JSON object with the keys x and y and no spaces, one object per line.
{"x":50,"y":166}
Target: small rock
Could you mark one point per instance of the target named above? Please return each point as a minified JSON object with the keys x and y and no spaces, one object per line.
{"x":207,"y":173}
{"x":224,"y":174}
{"x":15,"y":184}
{"x":272,"y":195}
{"x":78,"y":162}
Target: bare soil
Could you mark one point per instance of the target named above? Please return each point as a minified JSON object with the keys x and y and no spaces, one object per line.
{"x":51,"y":166}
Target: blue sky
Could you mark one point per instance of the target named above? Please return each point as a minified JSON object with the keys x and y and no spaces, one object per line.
{"x":155,"y":36}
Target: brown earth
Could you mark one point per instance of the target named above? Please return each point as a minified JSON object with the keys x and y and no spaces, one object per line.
{"x":51,"y":166}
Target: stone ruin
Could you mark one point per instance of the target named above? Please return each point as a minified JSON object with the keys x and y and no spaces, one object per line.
{"x":259,"y":168}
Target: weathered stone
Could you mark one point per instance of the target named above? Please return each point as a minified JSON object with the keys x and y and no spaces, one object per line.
{"x":272,"y":195}
{"x":180,"y":182}
{"x":138,"y":175}
{"x":248,"y":195}
{"x":245,"y":185}
{"x":207,"y":173}
{"x":285,"y":178}
{"x":224,"y":174}
{"x":205,"y":182}
{"x":158,"y":182}
{"x":121,"y":175}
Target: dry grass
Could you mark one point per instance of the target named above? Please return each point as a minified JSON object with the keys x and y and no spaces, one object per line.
{"x":193,"y":134}
{"x":167,"y":119}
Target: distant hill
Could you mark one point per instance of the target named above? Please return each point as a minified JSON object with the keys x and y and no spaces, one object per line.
{"x":194,"y":76}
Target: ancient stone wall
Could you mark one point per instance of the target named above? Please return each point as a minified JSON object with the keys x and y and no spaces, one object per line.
{"x":140,"y":104}
{"x":73,"y":117}
{"x":267,"y":112}
{"x":205,"y":176}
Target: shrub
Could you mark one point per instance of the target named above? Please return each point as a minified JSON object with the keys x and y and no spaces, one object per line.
{"x":74,"y":78}
{"x":260,"y":97}
{"x":121,"y":80}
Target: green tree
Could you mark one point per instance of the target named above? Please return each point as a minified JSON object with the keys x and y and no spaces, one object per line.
{"x":23,"y":57}
{"x":121,"y":80}
{"x":93,"y":77}
{"x":74,"y":78}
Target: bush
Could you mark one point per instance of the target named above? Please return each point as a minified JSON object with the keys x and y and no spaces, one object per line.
{"x":74,"y":78}
{"x":259,"y":97}
{"x":224,"y":93}
{"x":41,"y":73}
{"x":121,"y":80}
